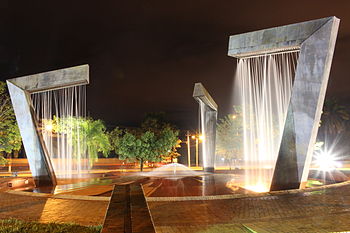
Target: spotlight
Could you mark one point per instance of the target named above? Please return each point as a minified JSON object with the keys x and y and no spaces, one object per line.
{"x":326,"y":161}
{"x":48,"y":127}
{"x":258,"y":187}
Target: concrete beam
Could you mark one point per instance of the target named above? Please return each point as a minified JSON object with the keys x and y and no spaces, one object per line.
{"x":199,"y":92}
{"x":283,"y":38}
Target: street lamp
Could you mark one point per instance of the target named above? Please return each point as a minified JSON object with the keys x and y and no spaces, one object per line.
{"x":197,"y":137}
{"x":188,"y":149}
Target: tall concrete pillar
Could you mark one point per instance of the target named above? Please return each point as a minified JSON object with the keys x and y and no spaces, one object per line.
{"x":208,"y":118}
{"x":20,"y":90}
{"x":316,"y":41}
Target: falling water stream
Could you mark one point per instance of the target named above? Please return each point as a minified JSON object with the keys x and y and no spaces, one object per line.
{"x":68,"y":156}
{"x":264,"y":84}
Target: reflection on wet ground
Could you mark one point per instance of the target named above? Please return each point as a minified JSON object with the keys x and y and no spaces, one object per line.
{"x":206,"y":185}
{"x":200,"y":185}
{"x":203,"y":185}
{"x":216,"y":184}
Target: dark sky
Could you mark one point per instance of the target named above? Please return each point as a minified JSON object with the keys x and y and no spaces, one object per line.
{"x":146,"y":55}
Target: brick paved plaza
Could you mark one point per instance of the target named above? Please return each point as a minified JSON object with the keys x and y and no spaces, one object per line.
{"x":43,"y":209}
{"x":324,"y":210}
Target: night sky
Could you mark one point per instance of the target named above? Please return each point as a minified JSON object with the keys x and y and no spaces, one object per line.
{"x":145,"y":56}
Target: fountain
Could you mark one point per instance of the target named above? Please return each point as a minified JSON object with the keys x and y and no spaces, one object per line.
{"x":67,"y":149}
{"x":283,"y":114}
{"x":37,"y":149}
{"x":265,"y":85}
{"x":172,"y":171}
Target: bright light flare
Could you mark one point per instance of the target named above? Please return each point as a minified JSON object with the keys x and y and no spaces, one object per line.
{"x":326,"y":161}
{"x":258,"y":188}
{"x":201,"y":137}
{"x":48,"y":127}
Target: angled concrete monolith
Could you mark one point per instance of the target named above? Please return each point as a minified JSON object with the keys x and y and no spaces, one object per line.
{"x":208,"y":118}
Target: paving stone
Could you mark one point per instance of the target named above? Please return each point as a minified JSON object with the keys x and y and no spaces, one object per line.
{"x":326,"y":210}
{"x":320,"y":211}
{"x":51,"y":210}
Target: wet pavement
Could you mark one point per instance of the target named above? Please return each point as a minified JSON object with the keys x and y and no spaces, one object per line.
{"x":206,"y":185}
{"x":322,"y":210}
{"x":43,"y":209}
{"x":326,"y":210}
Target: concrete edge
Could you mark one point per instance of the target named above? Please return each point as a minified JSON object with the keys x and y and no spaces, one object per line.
{"x":81,"y":197}
{"x":60,"y":196}
{"x":24,"y":193}
{"x":186,"y":198}
{"x":252,"y":195}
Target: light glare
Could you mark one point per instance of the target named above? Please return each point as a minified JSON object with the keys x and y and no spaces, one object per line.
{"x":48,"y":127}
{"x":326,"y":161}
{"x":258,"y":188}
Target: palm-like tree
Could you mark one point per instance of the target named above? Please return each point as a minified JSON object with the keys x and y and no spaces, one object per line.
{"x":334,"y":118}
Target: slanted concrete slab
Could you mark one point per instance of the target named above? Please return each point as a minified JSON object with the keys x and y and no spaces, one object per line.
{"x":208,"y":117}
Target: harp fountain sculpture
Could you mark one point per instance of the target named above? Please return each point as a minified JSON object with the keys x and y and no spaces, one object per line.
{"x":315,"y":42}
{"x":20,"y":90}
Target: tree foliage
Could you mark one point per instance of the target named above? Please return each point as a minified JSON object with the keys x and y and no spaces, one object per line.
{"x":230,"y":136}
{"x":10,"y":138}
{"x":86,"y":135}
{"x":334,"y":118}
{"x":173,"y":153}
{"x":154,"y":139}
{"x":155,"y":122}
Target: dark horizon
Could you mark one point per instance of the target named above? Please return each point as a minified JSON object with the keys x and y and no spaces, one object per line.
{"x":145,"y":56}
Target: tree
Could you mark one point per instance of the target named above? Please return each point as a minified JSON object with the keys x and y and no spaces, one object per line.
{"x":154,"y":140}
{"x":145,"y":146}
{"x":334,"y":117}
{"x":10,"y":138}
{"x":230,"y":136}
{"x":115,"y":137}
{"x":155,"y":121}
{"x":3,"y":161}
{"x":173,"y":153}
{"x":86,"y":135}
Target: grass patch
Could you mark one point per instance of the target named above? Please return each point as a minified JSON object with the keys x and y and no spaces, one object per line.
{"x":19,"y":226}
{"x":313,"y":183}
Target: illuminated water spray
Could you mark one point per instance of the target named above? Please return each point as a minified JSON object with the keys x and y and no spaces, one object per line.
{"x":67,"y":149}
{"x":265,"y":85}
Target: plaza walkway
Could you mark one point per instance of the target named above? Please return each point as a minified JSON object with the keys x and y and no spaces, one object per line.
{"x":324,"y":210}
{"x":44,"y":209}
